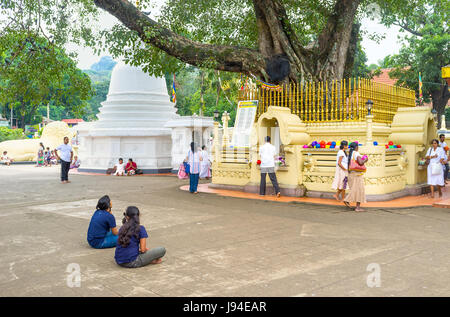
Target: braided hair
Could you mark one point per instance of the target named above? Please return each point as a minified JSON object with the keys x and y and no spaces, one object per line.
{"x":131,"y":226}
{"x":352,"y":147}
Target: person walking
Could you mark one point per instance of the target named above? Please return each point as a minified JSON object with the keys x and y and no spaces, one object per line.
{"x":205,"y":165}
{"x":193,"y":158}
{"x":65,"y":158}
{"x":341,"y":175}
{"x":267,"y":155}
{"x":435,"y":171}
{"x":355,"y":178}
{"x":444,"y":146}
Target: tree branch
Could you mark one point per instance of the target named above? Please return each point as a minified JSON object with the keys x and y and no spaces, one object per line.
{"x":407,"y":28}
{"x":220,"y":57}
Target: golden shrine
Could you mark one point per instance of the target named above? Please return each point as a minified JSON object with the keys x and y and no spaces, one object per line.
{"x":298,"y":114}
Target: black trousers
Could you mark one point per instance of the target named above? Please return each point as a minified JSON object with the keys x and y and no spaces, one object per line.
{"x":446,"y":171}
{"x":273,"y":179}
{"x":65,"y":167}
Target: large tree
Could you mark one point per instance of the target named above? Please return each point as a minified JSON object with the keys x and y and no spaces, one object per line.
{"x":266,"y":38}
{"x":275,"y":46}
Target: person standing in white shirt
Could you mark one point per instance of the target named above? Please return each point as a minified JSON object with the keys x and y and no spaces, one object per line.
{"x":66,"y":156}
{"x":267,"y":154}
{"x":444,"y":146}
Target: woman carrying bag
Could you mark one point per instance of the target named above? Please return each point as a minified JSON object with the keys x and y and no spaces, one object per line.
{"x":356,"y":170}
{"x":193,"y":159}
{"x":435,"y":170}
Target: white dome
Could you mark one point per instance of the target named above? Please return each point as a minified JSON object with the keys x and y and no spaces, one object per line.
{"x":126,"y":78}
{"x":136,"y":101}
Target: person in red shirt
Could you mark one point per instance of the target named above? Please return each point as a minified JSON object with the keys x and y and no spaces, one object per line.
{"x":131,"y":167}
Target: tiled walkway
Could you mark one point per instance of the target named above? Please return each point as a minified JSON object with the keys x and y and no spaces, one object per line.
{"x":403,"y":202}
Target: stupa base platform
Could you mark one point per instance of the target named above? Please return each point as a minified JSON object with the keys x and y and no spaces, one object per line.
{"x":403,"y":202}
{"x":144,"y":170}
{"x":300,"y":191}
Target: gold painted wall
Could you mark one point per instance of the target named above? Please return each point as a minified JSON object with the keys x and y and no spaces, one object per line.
{"x":389,"y":170}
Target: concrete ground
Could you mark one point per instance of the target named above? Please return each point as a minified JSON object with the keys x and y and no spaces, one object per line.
{"x":216,"y":246}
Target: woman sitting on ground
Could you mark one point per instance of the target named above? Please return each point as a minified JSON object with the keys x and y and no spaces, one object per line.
{"x":131,"y":167}
{"x":53,"y":158}
{"x":131,"y":250}
{"x":75,"y":163}
{"x":102,"y":232}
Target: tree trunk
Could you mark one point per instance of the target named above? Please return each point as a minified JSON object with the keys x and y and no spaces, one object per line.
{"x":440,"y":98}
{"x":325,"y":59}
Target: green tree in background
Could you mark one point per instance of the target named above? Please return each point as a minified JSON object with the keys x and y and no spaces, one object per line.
{"x":425,"y":50}
{"x":34,"y":73}
{"x":217,"y":89}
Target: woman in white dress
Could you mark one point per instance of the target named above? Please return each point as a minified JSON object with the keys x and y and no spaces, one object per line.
{"x":205,"y":165}
{"x":435,"y":170}
{"x":340,"y":181}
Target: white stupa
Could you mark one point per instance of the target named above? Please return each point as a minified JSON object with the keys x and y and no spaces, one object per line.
{"x":130,"y":124}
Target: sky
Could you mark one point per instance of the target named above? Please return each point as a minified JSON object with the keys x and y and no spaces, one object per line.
{"x":374,"y":51}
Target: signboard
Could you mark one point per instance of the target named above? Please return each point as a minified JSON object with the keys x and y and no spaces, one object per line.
{"x":246,"y":112}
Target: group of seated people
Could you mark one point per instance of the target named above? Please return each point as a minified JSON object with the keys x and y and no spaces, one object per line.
{"x":130,"y":241}
{"x":50,"y":157}
{"x":120,"y":169}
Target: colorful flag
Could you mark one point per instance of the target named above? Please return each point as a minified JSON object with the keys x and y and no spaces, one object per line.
{"x":174,"y":91}
{"x":420,"y":86}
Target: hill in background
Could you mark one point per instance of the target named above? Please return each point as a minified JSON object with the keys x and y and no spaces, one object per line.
{"x":100,"y":74}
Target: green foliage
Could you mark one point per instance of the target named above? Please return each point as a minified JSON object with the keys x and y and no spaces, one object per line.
{"x":360,"y":68}
{"x":217,"y":95}
{"x":10,"y":134}
{"x":33,"y":73}
{"x":426,"y":46}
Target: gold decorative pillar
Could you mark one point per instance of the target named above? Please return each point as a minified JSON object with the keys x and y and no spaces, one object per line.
{"x":369,"y":132}
{"x":225,"y":136}
{"x":215,"y":145}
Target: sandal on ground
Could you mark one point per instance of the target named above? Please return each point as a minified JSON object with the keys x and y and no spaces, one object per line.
{"x":347,"y":204}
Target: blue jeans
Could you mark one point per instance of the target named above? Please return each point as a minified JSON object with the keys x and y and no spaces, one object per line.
{"x":193,"y":182}
{"x":110,"y":241}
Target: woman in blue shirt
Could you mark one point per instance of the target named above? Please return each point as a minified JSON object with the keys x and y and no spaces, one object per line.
{"x":102,"y":232}
{"x":131,"y":250}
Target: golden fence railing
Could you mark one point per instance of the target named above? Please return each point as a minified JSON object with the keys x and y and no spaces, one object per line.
{"x":337,"y":100}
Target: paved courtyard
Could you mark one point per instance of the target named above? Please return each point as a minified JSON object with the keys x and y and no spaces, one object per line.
{"x":216,"y":246}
